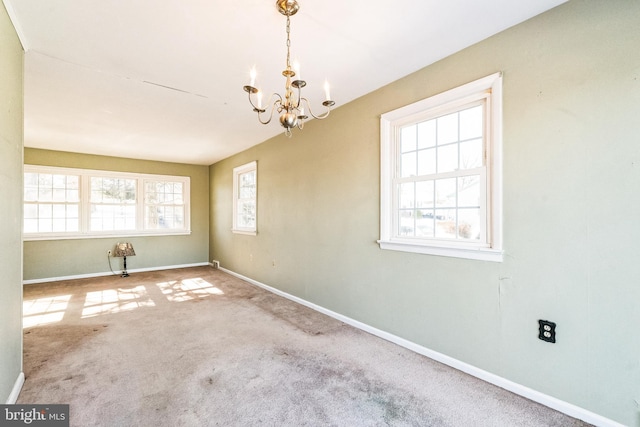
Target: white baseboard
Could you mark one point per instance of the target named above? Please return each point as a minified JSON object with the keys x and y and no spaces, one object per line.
{"x":536,"y":396}
{"x":109,"y":273}
{"x":15,"y":391}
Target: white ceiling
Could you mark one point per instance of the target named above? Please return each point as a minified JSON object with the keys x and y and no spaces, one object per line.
{"x":162,"y":80}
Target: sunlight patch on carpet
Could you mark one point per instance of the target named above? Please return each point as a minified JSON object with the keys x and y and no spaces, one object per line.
{"x":43,"y":311}
{"x":188,"y":289}
{"x":115,"y":301}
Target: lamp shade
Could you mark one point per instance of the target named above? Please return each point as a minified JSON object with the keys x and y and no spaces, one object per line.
{"x":124,"y":249}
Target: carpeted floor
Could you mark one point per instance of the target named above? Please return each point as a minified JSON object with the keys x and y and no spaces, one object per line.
{"x":197,"y":347}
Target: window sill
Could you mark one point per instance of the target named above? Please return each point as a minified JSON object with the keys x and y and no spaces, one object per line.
{"x":245,"y":232}
{"x":477,"y":253}
{"x":27,"y":238}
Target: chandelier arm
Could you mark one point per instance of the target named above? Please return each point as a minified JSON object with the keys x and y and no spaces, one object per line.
{"x":321,"y":116}
{"x":255,"y":107}
{"x":275,"y":106}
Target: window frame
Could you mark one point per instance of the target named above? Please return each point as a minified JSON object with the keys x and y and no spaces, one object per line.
{"x":237,"y":171}
{"x":452,"y":100}
{"x":85,"y":176}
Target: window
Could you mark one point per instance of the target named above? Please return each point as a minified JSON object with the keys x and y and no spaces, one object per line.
{"x":112,"y":204}
{"x":51,"y":202}
{"x":164,"y":204}
{"x":245,"y":186}
{"x":75,"y":203}
{"x":441,"y":174}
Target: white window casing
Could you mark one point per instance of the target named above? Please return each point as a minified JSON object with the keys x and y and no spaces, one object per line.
{"x":487,"y":245}
{"x":137,"y":213}
{"x":245,"y":199}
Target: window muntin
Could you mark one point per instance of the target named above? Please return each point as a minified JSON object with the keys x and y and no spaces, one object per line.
{"x":102,"y":203}
{"x":245,"y":191}
{"x":441,"y":174}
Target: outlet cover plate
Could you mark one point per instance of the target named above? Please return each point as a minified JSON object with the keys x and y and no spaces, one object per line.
{"x":547,"y":331}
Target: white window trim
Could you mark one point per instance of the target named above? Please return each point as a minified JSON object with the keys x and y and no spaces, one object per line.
{"x":389,"y":123}
{"x":237,"y":171}
{"x":85,"y":203}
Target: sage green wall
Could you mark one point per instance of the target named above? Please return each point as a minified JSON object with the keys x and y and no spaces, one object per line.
{"x":11,"y":117}
{"x":59,"y":258}
{"x":571,"y":209}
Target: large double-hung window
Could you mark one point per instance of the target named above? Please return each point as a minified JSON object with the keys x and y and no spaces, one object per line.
{"x":75,"y":203}
{"x":441,"y":174}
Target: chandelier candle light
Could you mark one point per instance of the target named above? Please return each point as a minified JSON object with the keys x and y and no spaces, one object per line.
{"x":291,"y":108}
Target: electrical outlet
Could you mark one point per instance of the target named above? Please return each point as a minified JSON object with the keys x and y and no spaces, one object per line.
{"x":215,"y":264}
{"x":547,"y":331}
{"x":109,"y":252}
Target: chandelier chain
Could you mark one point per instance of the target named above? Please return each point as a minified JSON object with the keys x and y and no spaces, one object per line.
{"x":288,"y":43}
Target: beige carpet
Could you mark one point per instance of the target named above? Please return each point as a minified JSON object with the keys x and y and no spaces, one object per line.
{"x":197,"y":347}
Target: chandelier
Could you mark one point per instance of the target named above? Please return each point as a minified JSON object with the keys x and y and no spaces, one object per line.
{"x":292,"y":107}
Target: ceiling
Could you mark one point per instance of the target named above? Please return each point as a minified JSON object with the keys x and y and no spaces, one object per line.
{"x":163,"y":80}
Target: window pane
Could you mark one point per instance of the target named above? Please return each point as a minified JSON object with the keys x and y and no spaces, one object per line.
{"x":73,"y":195}
{"x":73,"y":182}
{"x":44,"y":225}
{"x":30,"y":211}
{"x":59,"y":211}
{"x":45,"y":211}
{"x":30,"y":194}
{"x":247,"y":189}
{"x":427,"y":134}
{"x":424,"y":223}
{"x":45,"y":194}
{"x":427,"y":162}
{"x":246,"y":213}
{"x":471,"y":123}
{"x":469,"y":191}
{"x":73,"y":224}
{"x":408,"y":164}
{"x":30,"y":225}
{"x":471,"y":154}
{"x":448,"y":158}
{"x":45,"y":180}
{"x":58,"y":224}
{"x":446,"y":223}
{"x":59,"y":194}
{"x":408,"y":139}
{"x":446,"y":193}
{"x":31,"y":179}
{"x":73,"y":211}
{"x":448,"y":129}
{"x":424,"y":194}
{"x":406,"y":223}
{"x":406,"y":195}
{"x":469,"y":224}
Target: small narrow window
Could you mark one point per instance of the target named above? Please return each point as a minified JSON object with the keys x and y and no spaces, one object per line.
{"x":245,"y":190}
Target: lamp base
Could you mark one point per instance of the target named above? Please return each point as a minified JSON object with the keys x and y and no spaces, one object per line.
{"x":124,"y":270}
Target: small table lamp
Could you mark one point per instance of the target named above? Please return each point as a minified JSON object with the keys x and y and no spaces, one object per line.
{"x":124,"y":250}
